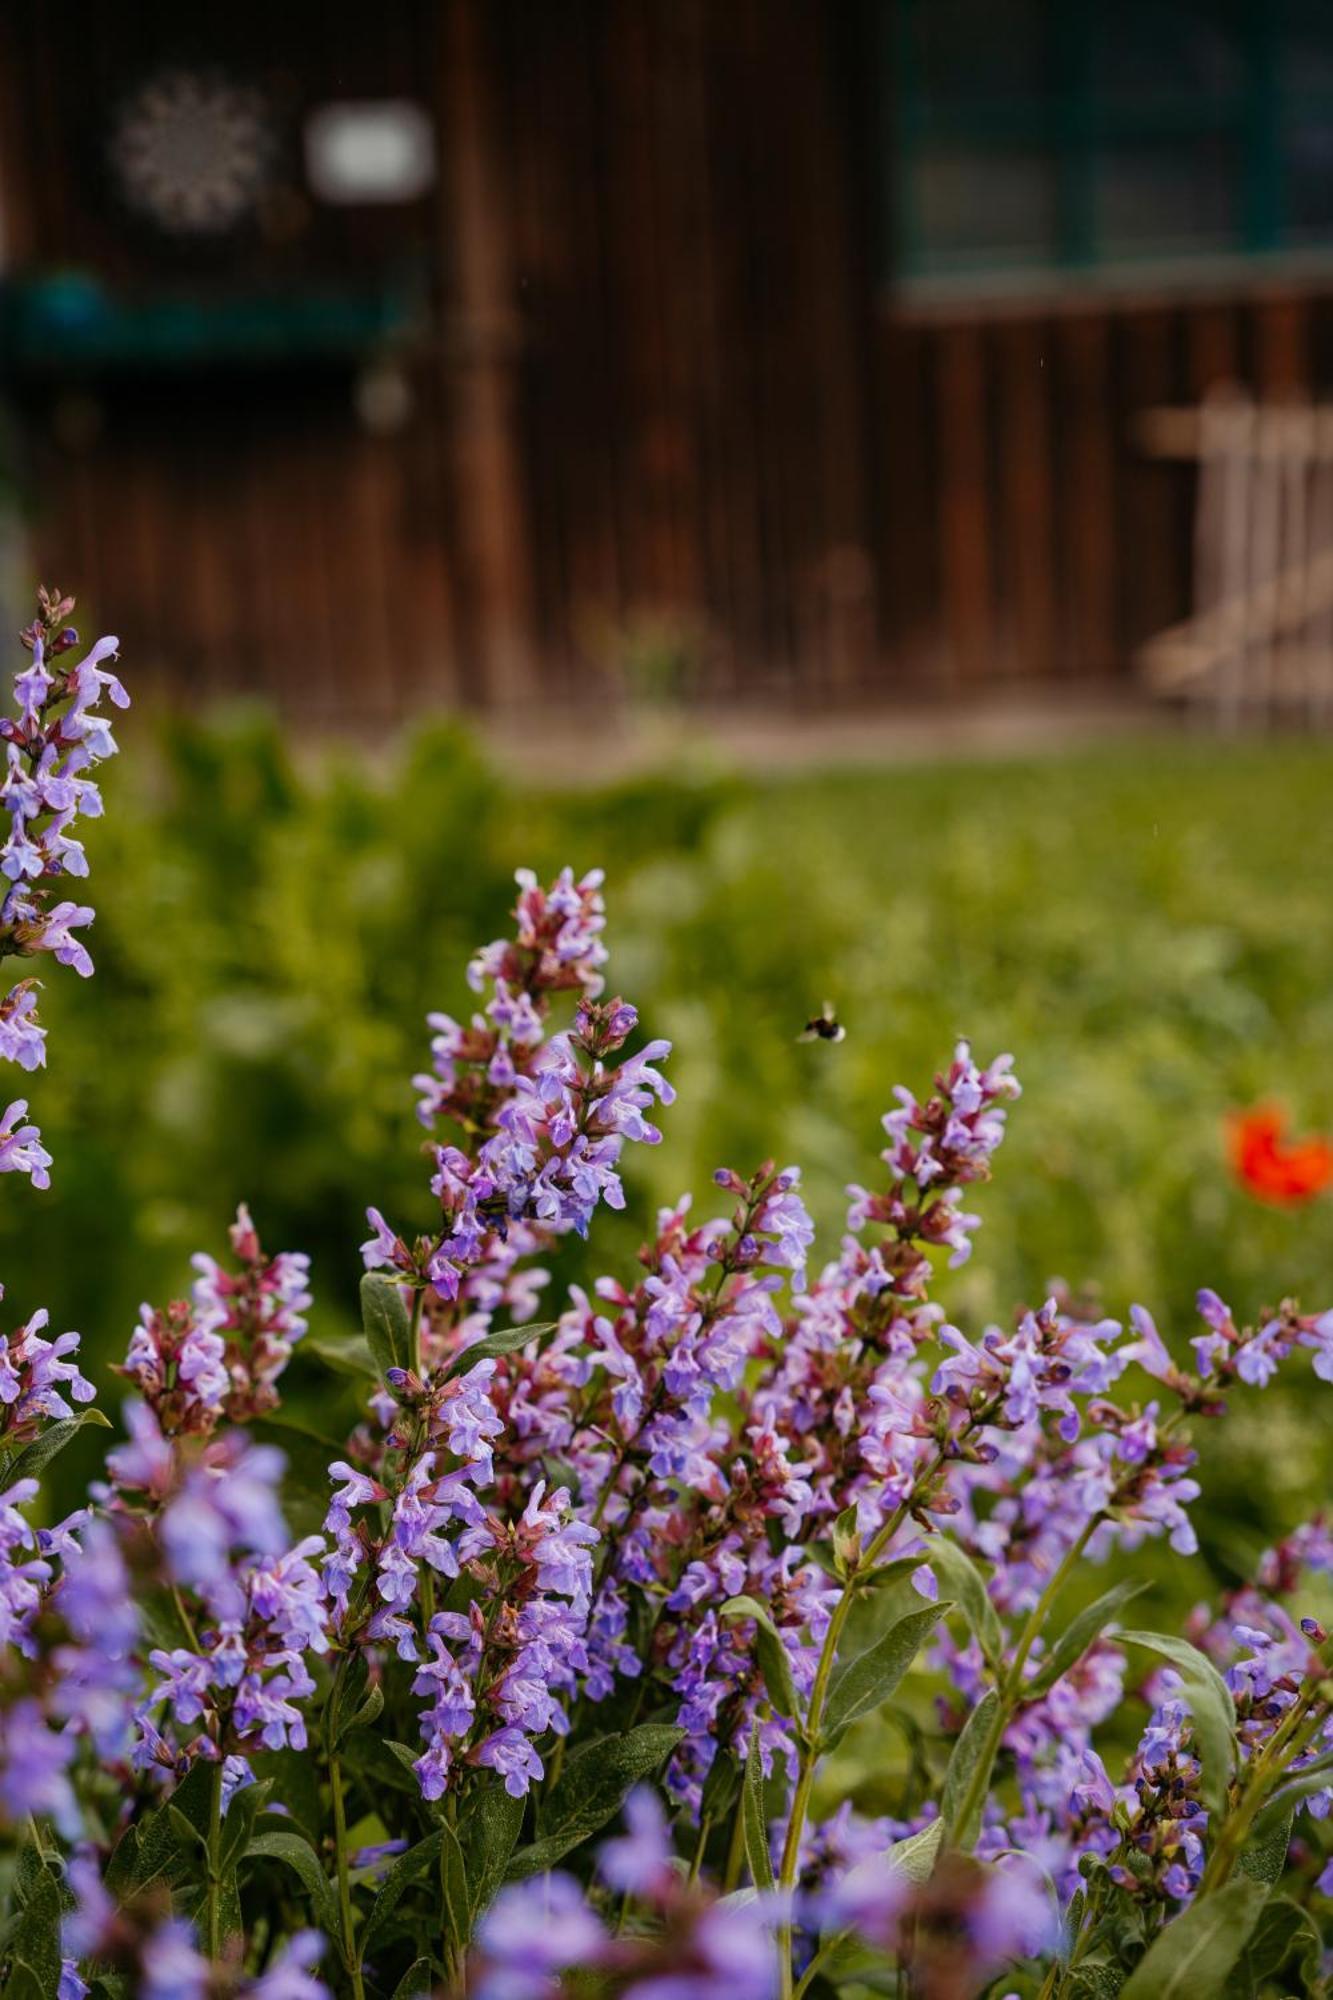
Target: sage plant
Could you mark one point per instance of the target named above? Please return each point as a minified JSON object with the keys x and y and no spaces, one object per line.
{"x":557,"y":1670}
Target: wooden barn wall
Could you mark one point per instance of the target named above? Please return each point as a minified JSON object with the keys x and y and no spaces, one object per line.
{"x":236,"y":525}
{"x":647,"y":265}
{"x":1024,"y":531}
{"x":658,"y":393}
{"x":688,"y":246}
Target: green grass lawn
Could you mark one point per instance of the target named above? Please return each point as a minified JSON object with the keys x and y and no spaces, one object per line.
{"x":1147,"y":929}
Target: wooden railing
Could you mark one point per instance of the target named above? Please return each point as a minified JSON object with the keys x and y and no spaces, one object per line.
{"x":1258,"y":644}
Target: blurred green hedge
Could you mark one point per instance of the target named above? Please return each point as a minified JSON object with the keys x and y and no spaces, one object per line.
{"x":1147,"y":928}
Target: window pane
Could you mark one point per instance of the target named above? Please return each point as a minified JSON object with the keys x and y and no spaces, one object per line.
{"x":1146,"y":52}
{"x":1308,"y":163}
{"x":984,"y":205}
{"x":1168,"y":196}
{"x":1305,"y":49}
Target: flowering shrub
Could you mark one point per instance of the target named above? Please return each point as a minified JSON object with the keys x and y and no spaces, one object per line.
{"x":554,"y":1700}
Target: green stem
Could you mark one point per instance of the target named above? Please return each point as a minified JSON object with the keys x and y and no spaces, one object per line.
{"x":1011,"y":1688}
{"x":817,"y":1963}
{"x":187,"y":1622}
{"x":808,"y":1745}
{"x":1272,"y":1763}
{"x":735,"y":1856}
{"x":697,"y":1862}
{"x":214,"y":1903}
{"x":348,"y":1920}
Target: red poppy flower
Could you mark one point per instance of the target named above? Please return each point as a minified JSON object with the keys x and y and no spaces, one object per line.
{"x":1270,"y":1166}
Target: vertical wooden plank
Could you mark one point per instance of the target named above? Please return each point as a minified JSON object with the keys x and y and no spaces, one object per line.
{"x":1087,"y":500}
{"x":909,"y":550}
{"x":1211,"y":340}
{"x":734,"y":177}
{"x":1282,"y":344}
{"x":964,"y":509}
{"x":837,"y":479}
{"x":1151,"y":522}
{"x":475,"y":226}
{"x":716,"y":527}
{"x":1027,"y":531}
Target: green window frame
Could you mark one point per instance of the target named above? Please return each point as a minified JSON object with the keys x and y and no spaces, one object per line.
{"x":1068,"y":132}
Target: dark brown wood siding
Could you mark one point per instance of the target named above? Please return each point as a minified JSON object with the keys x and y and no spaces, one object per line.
{"x":658,"y":407}
{"x":1024,"y":531}
{"x":647,"y":268}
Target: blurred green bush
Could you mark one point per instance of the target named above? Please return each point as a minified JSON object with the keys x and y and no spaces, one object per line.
{"x":1146,"y":927}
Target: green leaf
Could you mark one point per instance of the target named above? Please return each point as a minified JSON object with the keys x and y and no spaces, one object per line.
{"x":1197,"y":1950}
{"x":754,"y":1817}
{"x":406,"y":1870}
{"x":772,"y":1654}
{"x":417,"y":1983}
{"x":163,"y":1841}
{"x":972,"y":1746}
{"x":1077,"y":1636}
{"x":294,"y":1776}
{"x":489,"y":1830}
{"x":846,"y":1542}
{"x":721,"y":1787}
{"x":888,"y":1573}
{"x":238,"y":1822}
{"x":1301,"y":1785}
{"x":189,"y":1841}
{"x":1283,"y":1930}
{"x":1211,"y":1708}
{"x":1265,"y":1854}
{"x":507,"y":1341}
{"x":304,"y":1863}
{"x":454,"y":1890}
{"x":590,"y":1790}
{"x":34,"y":1949}
{"x":867,"y":1681}
{"x":346,"y":1698}
{"x":35,"y":1457}
{"x":387,"y":1327}
{"x":370,"y":1711}
{"x":406,"y":1756}
{"x":346,"y":1354}
{"x":915,"y":1856}
{"x":1097,"y":1980}
{"x":959,"y":1575}
{"x":193,"y":1796}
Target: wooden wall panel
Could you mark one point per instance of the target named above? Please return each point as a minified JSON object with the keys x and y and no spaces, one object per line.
{"x":653,"y":389}
{"x":1025,"y":531}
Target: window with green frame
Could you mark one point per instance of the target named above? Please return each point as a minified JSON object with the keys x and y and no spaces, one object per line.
{"x":1076,"y":136}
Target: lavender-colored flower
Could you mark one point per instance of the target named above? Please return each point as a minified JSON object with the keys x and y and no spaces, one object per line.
{"x":21,"y":1148}
{"x":255,"y":1312}
{"x":37,"y":1377}
{"x":291,"y":1975}
{"x":227,"y":1502}
{"x":170,"y":1967}
{"x":639,"y":1862}
{"x":50,"y":746}
{"x":22,"y":1037}
{"x":532,"y":1932}
{"x":34,"y":1768}
{"x":546,"y":1122}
